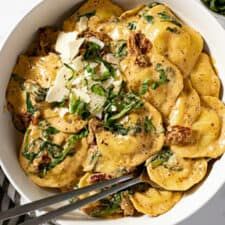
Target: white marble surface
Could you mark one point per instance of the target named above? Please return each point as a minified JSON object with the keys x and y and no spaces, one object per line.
{"x":11,"y":11}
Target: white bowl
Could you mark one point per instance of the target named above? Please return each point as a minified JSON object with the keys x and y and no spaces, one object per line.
{"x":50,"y":12}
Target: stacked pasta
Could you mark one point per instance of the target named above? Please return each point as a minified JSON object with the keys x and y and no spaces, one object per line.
{"x":113,"y":91}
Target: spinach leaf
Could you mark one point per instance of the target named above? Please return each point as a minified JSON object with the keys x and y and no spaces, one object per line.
{"x":49,"y":131}
{"x":132,"y":25}
{"x":108,"y":206}
{"x":148,"y":18}
{"x":79,"y":107}
{"x":167,"y":18}
{"x":144,"y":87}
{"x":148,"y":125}
{"x":98,"y":90}
{"x":92,"y":51}
{"x":30,"y":108}
{"x":121,"y":50}
{"x":162,"y":77}
{"x":160,"y":158}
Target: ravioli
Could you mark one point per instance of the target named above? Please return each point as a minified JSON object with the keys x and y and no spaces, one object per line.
{"x":46,"y":162}
{"x":113,"y":206}
{"x":204,"y":78}
{"x":97,"y":10}
{"x":209,"y":129}
{"x":120,"y":153}
{"x":187,"y":108}
{"x":175,"y":173}
{"x":170,"y":37}
{"x":162,"y":96}
{"x":155,"y":202}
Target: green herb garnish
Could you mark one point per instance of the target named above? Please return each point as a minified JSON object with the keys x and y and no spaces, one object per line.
{"x":162,"y":157}
{"x":162,"y":77}
{"x":144,"y":87}
{"x":92,"y":51}
{"x":148,"y":18}
{"x":122,"y":50}
{"x":148,"y":125}
{"x":49,"y":131}
{"x":30,"y":108}
{"x":98,"y":90}
{"x":79,"y":107}
{"x":108,"y":206}
{"x":132,"y":26}
{"x":166,"y":17}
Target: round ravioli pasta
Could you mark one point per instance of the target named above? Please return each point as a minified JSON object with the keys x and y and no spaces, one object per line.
{"x":155,"y":202}
{"x":52,"y":158}
{"x":120,"y":153}
{"x":173,"y":39}
{"x":68,"y":124}
{"x":174,"y":173}
{"x":40,"y":69}
{"x":163,"y":80}
{"x":209,"y":129}
{"x":97,"y":11}
{"x":204,"y":78}
{"x":187,"y":108}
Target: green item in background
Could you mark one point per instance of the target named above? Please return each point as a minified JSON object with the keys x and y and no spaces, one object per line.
{"x":217,"y":6}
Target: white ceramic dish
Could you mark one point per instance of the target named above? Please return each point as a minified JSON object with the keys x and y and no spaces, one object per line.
{"x":50,"y":12}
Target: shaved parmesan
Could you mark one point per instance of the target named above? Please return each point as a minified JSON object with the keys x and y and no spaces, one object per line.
{"x":82,"y":25}
{"x":58,"y":91}
{"x":62,"y":111}
{"x":111,"y":59}
{"x":68,"y":45}
{"x":77,"y":64}
{"x":96,"y":41}
{"x":83,"y":94}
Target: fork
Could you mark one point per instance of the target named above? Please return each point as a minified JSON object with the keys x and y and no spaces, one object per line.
{"x":113,"y":186}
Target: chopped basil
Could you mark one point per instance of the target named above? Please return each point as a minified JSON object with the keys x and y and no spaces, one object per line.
{"x":165,"y":17}
{"x":148,"y":125}
{"x":217,"y":6}
{"x":98,"y":90}
{"x":108,"y":206}
{"x":121,"y":50}
{"x":144,"y":87}
{"x":160,"y":158}
{"x":53,"y":149}
{"x":148,"y":18}
{"x":92,"y":51}
{"x":79,"y":107}
{"x":30,"y":108}
{"x":162,"y":77}
{"x":132,"y":25}
{"x":49,"y":131}
{"x":88,"y":14}
{"x":36,"y":91}
{"x":173,"y":30}
{"x":72,"y":103}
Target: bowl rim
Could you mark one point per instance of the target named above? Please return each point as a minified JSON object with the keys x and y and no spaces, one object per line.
{"x":179,"y":218}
